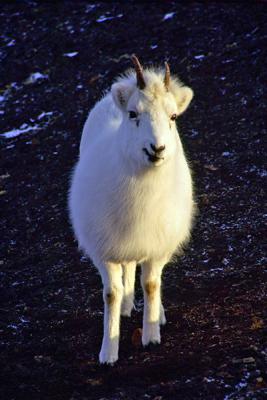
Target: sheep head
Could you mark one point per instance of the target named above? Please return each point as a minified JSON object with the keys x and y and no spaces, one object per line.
{"x":150,"y":101}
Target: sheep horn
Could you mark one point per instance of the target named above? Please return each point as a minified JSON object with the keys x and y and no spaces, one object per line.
{"x":139,"y":73}
{"x":167,"y":75}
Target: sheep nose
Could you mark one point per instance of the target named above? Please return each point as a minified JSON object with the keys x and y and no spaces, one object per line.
{"x":157,"y":149}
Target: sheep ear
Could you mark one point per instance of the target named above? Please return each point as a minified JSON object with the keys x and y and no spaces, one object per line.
{"x":121,"y":93}
{"x":183,"y":98}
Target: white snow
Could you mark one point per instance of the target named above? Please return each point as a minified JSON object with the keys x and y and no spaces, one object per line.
{"x":73,"y":54}
{"x":34,"y":77}
{"x":11,"y":43}
{"x":153,"y":46}
{"x":44,"y":114}
{"x":90,"y":7}
{"x":208,"y":379}
{"x":194,"y":133}
{"x":26,"y":127}
{"x":199,"y":57}
{"x":168,"y":16}
{"x":103,"y":18}
{"x":16,"y":132}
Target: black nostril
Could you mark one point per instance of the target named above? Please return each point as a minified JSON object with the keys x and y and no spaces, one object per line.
{"x":157,"y":150}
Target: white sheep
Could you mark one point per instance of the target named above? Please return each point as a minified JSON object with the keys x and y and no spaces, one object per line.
{"x":131,"y":198}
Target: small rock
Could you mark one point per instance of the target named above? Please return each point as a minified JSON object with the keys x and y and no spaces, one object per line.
{"x":237,"y":360}
{"x":38,"y":358}
{"x":4,"y":176}
{"x":210,"y":167}
{"x":95,"y":382}
{"x":248,"y":360}
{"x":94,"y":79}
{"x":257,"y":323}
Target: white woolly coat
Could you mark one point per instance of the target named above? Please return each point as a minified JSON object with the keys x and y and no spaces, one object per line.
{"x":120,"y":211}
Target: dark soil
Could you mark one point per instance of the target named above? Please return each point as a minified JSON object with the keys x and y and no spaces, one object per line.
{"x":214,"y":345}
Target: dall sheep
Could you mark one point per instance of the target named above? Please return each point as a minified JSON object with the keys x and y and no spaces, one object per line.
{"x":131,"y":198}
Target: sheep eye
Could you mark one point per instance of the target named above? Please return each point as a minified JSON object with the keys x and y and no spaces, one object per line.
{"x":173,"y":117}
{"x":132,"y":114}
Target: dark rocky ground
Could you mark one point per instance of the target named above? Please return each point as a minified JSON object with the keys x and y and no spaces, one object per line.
{"x":215,"y":343}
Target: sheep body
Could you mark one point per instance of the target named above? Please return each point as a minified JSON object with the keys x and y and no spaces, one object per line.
{"x":122,"y":217}
{"x":123,"y":211}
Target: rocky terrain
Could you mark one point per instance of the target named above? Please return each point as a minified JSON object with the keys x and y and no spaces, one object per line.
{"x":55,"y":62}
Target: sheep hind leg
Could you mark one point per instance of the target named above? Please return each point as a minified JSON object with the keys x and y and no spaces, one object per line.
{"x":153,"y":314}
{"x":111,"y":275}
{"x":128,"y":293}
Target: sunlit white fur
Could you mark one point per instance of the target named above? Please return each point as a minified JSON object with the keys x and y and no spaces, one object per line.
{"x":125,"y":209}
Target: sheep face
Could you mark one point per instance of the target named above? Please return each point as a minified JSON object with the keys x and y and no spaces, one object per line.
{"x":149,"y":135}
{"x":150,"y":126}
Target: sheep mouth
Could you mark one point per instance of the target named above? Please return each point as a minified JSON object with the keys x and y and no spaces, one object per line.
{"x":151,"y":157}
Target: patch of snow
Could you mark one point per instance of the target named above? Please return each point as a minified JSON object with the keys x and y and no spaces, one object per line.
{"x":5,"y":95}
{"x":34,"y":77}
{"x":226,"y":154}
{"x":90,"y":7}
{"x":216,"y":269}
{"x":103,"y":18}
{"x":16,"y":132}
{"x":26,"y":127}
{"x":241,"y":385}
{"x":194,"y":133}
{"x":24,"y":320}
{"x":44,"y":114}
{"x":225,"y":261}
{"x":17,"y":283}
{"x":168,"y":16}
{"x":263,"y":173}
{"x":153,"y":46}
{"x":208,"y":380}
{"x":199,"y":57}
{"x":11,"y":43}
{"x":227,"y":61}
{"x":13,"y":326}
{"x":73,"y":54}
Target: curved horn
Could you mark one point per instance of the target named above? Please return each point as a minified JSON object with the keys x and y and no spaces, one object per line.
{"x":167,"y":75}
{"x":139,"y":72}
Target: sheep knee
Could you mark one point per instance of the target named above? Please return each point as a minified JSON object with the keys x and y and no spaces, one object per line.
{"x":151,"y":288}
{"x":113,"y":295}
